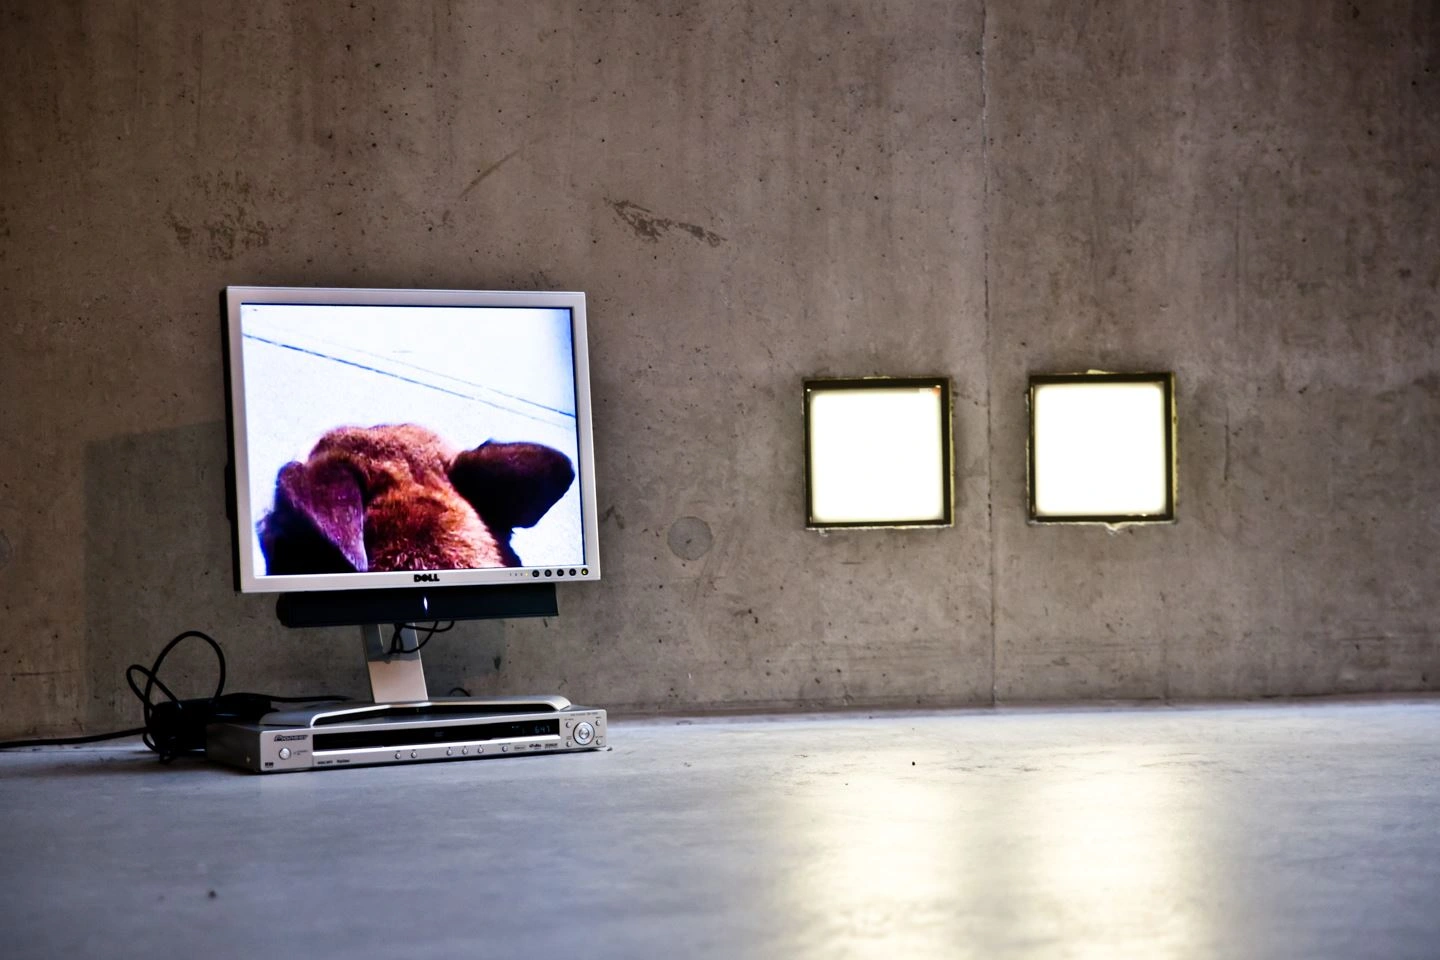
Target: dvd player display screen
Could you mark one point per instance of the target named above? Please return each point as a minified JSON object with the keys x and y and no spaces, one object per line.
{"x":426,"y":736}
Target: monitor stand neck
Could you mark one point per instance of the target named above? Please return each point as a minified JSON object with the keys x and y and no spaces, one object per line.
{"x":396,"y":674}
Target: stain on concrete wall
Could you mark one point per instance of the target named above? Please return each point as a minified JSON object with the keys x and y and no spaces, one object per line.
{"x":752,"y":194}
{"x":649,"y":227}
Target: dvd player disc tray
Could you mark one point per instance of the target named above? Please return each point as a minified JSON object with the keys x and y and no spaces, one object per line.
{"x":352,"y":735}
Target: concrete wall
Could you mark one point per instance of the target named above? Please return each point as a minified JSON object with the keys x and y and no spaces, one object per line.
{"x":752,"y":193}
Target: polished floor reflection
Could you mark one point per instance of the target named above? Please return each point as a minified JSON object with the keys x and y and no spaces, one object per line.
{"x":1277,"y":831}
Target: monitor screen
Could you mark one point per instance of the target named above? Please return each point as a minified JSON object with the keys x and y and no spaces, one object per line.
{"x":395,"y":438}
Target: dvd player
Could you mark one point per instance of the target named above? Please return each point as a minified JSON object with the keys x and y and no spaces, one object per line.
{"x":352,"y":735}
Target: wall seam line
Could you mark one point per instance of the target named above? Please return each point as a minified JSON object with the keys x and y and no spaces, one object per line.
{"x":989,"y":335}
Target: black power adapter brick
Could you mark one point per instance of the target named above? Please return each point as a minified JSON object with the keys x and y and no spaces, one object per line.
{"x":178,"y":726}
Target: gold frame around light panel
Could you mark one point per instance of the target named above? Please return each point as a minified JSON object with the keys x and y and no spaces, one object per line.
{"x":875,"y":446}
{"x":1167,"y":383}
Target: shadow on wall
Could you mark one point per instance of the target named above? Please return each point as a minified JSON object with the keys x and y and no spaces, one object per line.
{"x":158,"y":562}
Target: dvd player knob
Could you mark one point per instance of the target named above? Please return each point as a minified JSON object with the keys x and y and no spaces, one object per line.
{"x":584,"y":733}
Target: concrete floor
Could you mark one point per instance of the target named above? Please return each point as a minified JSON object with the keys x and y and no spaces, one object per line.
{"x":1252,"y":831}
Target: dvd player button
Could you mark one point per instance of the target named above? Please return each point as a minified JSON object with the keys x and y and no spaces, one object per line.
{"x":284,"y":753}
{"x":584,"y":733}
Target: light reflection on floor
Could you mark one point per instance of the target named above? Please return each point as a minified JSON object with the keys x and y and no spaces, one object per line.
{"x":1113,"y":851}
{"x":1254,"y":832}
{"x":1099,"y":849}
{"x":889,"y":888}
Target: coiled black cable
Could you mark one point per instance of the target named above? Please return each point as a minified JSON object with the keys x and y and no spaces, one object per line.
{"x":174,"y":726}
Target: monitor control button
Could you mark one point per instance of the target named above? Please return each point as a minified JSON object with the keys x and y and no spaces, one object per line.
{"x":584,"y":733}
{"x":397,"y":754}
{"x":284,"y":753}
{"x":412,"y":754}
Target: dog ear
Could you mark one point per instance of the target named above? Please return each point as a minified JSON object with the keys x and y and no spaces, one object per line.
{"x":511,"y":484}
{"x":318,"y":523}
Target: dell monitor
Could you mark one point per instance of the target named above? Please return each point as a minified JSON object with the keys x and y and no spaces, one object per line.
{"x":408,"y":455}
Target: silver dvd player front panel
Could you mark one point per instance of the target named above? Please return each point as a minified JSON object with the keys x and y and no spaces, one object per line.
{"x":403,"y":733}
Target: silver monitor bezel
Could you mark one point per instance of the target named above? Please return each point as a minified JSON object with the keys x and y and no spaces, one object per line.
{"x":248,"y":578}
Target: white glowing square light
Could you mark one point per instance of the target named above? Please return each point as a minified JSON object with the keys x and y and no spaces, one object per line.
{"x":1102,"y":447}
{"x":877,"y":452}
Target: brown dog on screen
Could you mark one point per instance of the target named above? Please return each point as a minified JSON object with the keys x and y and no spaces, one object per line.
{"x":398,"y":497}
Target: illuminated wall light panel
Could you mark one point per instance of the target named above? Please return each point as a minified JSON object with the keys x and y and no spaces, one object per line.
{"x":877,"y":453}
{"x":1102,"y":448}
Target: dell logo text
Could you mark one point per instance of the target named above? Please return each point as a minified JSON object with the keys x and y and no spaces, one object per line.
{"x":427,"y":578}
